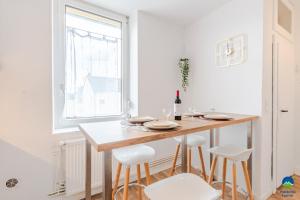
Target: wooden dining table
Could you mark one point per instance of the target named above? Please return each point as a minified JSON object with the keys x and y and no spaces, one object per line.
{"x":106,"y":136}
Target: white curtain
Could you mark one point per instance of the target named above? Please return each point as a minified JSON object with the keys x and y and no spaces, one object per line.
{"x":92,"y":75}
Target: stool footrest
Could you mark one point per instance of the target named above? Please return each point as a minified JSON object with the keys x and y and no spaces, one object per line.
{"x":129,"y":185}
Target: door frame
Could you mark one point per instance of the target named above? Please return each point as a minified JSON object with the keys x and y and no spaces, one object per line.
{"x":275,"y":107}
{"x":274,"y":112}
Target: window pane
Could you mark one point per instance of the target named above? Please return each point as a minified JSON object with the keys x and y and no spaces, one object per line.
{"x":93,"y":85}
{"x":284,"y":16}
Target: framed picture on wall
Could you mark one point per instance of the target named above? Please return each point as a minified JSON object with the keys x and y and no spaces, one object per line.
{"x":284,"y":18}
{"x":231,"y":51}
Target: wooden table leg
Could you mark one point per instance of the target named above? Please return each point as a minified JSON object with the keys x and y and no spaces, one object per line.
{"x":107,"y":175}
{"x":184,"y":154}
{"x":88,"y":171}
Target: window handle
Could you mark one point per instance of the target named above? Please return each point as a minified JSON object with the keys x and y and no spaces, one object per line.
{"x":284,"y":111}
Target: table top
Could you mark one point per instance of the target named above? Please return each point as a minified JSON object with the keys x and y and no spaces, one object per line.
{"x":106,"y":136}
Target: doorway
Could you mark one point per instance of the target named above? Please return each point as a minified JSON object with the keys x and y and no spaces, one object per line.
{"x":284,"y":146}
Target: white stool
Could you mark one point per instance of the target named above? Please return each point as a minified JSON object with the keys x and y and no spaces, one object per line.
{"x":185,"y":186}
{"x":192,"y":141}
{"x":133,"y":155}
{"x":235,"y":154}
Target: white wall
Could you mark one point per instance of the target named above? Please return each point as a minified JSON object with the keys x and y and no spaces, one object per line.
{"x":27,"y":144}
{"x":236,"y":89}
{"x":160,"y":45}
{"x":233,"y":89}
{"x":25,"y":83}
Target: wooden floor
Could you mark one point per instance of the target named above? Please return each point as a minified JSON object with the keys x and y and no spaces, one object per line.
{"x":133,"y":191}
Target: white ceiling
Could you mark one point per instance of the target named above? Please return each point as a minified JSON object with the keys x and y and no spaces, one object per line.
{"x":180,"y":11}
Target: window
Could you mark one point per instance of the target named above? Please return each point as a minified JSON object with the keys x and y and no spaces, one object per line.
{"x":89,"y":64}
{"x":284,"y":18}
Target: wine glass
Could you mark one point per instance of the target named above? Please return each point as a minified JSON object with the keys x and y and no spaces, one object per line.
{"x":192,"y":111}
{"x":166,"y":113}
{"x":127,"y":114}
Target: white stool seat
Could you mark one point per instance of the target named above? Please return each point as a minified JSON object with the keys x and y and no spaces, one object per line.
{"x":183,"y":186}
{"x":133,"y":155}
{"x":192,"y":140}
{"x":231,"y":152}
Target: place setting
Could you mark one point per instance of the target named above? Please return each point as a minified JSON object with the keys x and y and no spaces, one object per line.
{"x":217,"y":117}
{"x":194,"y":114}
{"x":161,"y":125}
{"x":166,"y":122}
{"x":150,"y":124}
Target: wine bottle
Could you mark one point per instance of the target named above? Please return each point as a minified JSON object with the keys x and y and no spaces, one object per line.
{"x":177,"y":106}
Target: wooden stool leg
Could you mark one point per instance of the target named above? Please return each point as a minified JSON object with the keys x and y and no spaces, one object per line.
{"x":234,"y":184}
{"x":247,"y":179}
{"x":212,"y":170}
{"x":224,"y":177}
{"x":202,"y":163}
{"x":189,"y":160}
{"x":117,"y":178}
{"x":148,"y":176}
{"x":127,"y":176}
{"x":175,"y":160}
{"x":138,"y":172}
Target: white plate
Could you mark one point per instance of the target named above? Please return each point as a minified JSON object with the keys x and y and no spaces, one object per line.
{"x":140,"y":120}
{"x":217,"y":116}
{"x":196,"y":114}
{"x":161,"y":125}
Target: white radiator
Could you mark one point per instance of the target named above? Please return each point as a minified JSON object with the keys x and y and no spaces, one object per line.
{"x":74,"y":166}
{"x":73,"y":163}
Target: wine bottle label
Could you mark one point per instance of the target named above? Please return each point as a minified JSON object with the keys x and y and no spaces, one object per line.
{"x":177,"y":109}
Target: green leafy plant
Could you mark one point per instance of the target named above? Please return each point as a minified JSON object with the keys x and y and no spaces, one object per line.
{"x":184,"y":69}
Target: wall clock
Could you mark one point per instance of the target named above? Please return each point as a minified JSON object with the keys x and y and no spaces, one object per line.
{"x":231,"y":51}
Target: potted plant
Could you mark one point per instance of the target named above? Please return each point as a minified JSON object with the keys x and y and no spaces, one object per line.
{"x":184,"y":69}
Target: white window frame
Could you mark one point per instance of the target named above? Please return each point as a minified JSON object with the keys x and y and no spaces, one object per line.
{"x":58,"y":61}
{"x":278,"y":28}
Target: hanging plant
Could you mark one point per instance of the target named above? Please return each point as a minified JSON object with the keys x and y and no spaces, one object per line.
{"x":184,"y":69}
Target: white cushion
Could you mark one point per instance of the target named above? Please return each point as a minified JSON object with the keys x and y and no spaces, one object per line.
{"x":231,"y":152}
{"x":192,"y":140}
{"x":134,"y":154}
{"x":184,"y":186}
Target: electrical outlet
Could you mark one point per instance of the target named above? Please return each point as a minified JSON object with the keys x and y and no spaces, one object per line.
{"x":10,"y":183}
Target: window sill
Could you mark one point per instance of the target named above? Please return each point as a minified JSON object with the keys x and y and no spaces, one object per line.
{"x":74,"y":130}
